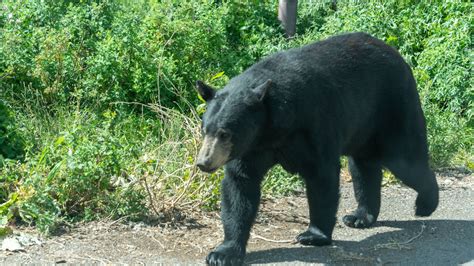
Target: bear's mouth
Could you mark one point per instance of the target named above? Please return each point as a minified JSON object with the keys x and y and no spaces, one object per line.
{"x":207,"y":170}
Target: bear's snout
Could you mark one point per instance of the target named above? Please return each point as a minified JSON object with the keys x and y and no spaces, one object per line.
{"x":214,"y":153}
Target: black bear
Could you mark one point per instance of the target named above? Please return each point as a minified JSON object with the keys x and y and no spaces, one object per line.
{"x":303,"y":108}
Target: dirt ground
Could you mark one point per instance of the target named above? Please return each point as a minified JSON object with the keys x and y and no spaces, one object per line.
{"x":445,"y":238}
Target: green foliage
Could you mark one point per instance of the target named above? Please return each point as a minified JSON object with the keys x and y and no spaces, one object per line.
{"x":278,"y":182}
{"x":103,"y":52}
{"x":71,"y":174}
{"x":79,"y":139}
{"x":11,"y":143}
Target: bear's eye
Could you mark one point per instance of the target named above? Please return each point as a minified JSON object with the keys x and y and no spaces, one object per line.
{"x":223,"y":135}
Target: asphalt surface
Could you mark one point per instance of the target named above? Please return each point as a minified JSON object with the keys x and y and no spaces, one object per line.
{"x":445,"y":238}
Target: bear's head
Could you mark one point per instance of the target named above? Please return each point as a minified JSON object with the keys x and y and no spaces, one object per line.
{"x":233,"y":120}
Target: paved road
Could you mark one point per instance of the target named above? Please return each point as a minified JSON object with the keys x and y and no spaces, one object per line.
{"x":445,"y":238}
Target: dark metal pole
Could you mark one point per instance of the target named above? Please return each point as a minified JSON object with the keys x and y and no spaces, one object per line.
{"x":287,"y":10}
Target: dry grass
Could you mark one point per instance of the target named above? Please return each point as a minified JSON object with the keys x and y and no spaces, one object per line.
{"x":172,"y":181}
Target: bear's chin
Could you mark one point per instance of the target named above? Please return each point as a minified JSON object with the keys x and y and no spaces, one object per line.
{"x":210,"y":171}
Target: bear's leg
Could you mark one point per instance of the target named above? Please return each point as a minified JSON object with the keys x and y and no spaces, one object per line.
{"x":367,"y":180}
{"x":322,"y":190}
{"x":417,"y":175}
{"x":240,"y":198}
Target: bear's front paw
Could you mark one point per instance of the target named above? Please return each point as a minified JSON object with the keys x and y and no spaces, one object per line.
{"x":359,"y":220}
{"x":426,"y":203}
{"x":314,"y":237}
{"x":225,"y":255}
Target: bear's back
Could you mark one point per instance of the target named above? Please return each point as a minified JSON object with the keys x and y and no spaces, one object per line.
{"x":352,"y":84}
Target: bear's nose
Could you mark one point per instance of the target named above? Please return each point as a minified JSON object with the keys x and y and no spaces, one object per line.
{"x":201,"y":166}
{"x":205,"y":166}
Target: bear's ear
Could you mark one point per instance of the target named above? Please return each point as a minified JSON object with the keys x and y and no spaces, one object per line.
{"x":206,"y":91}
{"x":261,"y":90}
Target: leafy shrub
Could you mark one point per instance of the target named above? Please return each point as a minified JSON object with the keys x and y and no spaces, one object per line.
{"x":103,"y":52}
{"x":71,"y":175}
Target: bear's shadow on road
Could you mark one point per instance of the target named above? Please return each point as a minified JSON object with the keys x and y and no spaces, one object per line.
{"x":440,"y":241}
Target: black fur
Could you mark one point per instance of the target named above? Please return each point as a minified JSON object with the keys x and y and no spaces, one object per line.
{"x":348,"y":95}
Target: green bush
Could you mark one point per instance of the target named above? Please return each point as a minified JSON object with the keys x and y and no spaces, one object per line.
{"x":104,"y":52}
{"x":71,"y":177}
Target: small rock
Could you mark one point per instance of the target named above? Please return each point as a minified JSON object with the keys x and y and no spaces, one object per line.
{"x":12,"y":244}
{"x":28,"y":240}
{"x":448,"y":182}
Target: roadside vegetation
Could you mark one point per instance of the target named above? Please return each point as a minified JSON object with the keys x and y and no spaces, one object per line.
{"x":99,"y":117}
